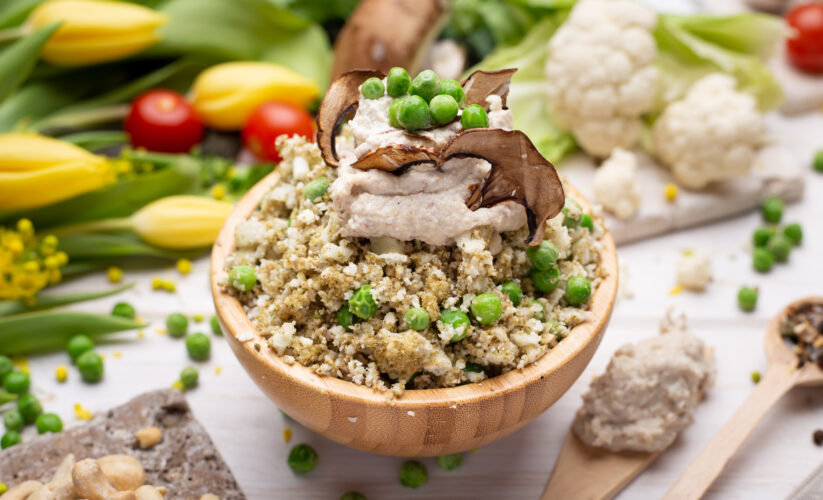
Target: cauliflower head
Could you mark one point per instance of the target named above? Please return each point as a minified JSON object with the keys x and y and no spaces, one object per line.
{"x":615,"y":184}
{"x":711,"y":135}
{"x":601,"y":73}
{"x":694,"y":270}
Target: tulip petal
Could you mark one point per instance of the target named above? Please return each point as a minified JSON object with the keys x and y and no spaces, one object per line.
{"x":23,"y":152}
{"x":35,"y":188}
{"x":181,"y":222}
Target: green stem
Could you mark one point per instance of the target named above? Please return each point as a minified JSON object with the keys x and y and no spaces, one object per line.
{"x":84,"y":118}
{"x":12,"y":34}
{"x":6,"y":397}
{"x":98,"y":226}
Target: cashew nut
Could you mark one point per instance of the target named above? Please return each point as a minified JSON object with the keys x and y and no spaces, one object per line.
{"x":61,"y":486}
{"x":147,"y":492}
{"x":123,"y":472}
{"x":148,"y":437}
{"x":209,"y":496}
{"x":23,"y":490}
{"x":90,"y":483}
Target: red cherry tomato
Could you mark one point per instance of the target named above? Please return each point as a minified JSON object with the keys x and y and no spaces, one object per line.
{"x":805,"y":45}
{"x":271,"y":120}
{"x":162,"y":120}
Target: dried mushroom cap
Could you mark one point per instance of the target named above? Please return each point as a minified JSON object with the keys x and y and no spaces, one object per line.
{"x":519,"y":172}
{"x":340,"y":100}
{"x":481,"y":84}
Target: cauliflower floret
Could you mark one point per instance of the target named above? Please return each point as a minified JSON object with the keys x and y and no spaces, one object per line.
{"x":694,"y":270}
{"x":615,"y":184}
{"x":601,"y":74}
{"x":711,"y":135}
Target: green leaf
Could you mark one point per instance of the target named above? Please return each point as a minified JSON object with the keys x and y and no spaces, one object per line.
{"x":117,"y":200}
{"x":48,"y":301}
{"x":95,"y":140}
{"x":306,"y":52}
{"x":6,"y":397}
{"x":106,"y":246}
{"x":43,"y":331}
{"x":14,"y":12}
{"x":18,"y":60}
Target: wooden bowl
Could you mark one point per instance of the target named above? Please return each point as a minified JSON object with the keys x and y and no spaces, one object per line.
{"x":420,"y":423}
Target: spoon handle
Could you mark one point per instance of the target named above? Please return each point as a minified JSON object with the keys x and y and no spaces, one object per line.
{"x":707,"y":466}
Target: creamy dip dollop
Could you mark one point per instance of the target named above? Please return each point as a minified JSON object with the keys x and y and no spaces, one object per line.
{"x":423,"y":203}
{"x":648,"y":393}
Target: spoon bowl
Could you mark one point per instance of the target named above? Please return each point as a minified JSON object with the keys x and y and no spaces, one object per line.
{"x":778,"y":351}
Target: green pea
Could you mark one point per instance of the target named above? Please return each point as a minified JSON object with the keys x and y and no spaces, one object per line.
{"x":302,"y":459}
{"x":413,"y":113}
{"x":198,"y":345}
{"x":538,"y":309}
{"x":243,"y":278}
{"x":13,"y":420}
{"x":177,"y":325}
{"x":458,"y":320}
{"x":817,"y":164}
{"x":794,"y":233}
{"x":426,"y":85}
{"x":772,"y":209}
{"x":587,"y":222}
{"x":188,"y":377}
{"x":486,"y":308}
{"x":450,"y":462}
{"x":124,"y":310}
{"x":6,"y":366}
{"x":372,"y":88}
{"x":395,"y":105}
{"x":29,"y":406}
{"x":16,"y":382}
{"x":572,"y":213}
{"x":79,"y":344}
{"x":353,"y":495}
{"x":443,"y":109}
{"x":762,"y":235}
{"x":346,"y":319}
{"x":780,"y":247}
{"x":474,"y":116}
{"x":215,"y":325}
{"x":398,"y":82}
{"x":545,"y":281}
{"x":513,"y":290}
{"x":362,"y":304}
{"x":10,"y":439}
{"x":417,"y":318}
{"x":762,"y":260}
{"x":90,"y":365}
{"x":316,"y":189}
{"x":473,"y":367}
{"x":413,"y":474}
{"x":747,"y":298}
{"x":48,"y":422}
{"x":543,"y":256}
{"x":578,"y":290}
{"x":454,"y":89}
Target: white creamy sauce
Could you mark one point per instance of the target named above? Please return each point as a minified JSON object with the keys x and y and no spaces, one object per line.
{"x":424,"y":203}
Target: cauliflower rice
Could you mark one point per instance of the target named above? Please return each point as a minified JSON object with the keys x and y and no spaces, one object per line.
{"x":307,"y":271}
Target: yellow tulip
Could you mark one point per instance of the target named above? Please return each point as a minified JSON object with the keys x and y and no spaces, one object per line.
{"x":226,"y":94}
{"x":181,"y":222}
{"x":95,"y":31}
{"x":37,"y":171}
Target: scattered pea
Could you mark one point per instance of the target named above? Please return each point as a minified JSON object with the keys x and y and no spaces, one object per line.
{"x":762,"y":235}
{"x":177,"y":325}
{"x":413,"y":474}
{"x":10,"y":439}
{"x":90,"y":365}
{"x":450,"y":462}
{"x":747,"y":298}
{"x":353,"y":495}
{"x":316,"y":189}
{"x":756,"y":377}
{"x":417,"y":318}
{"x":817,"y":164}
{"x":486,"y":308}
{"x":16,"y":382}
{"x":794,"y":233}
{"x":443,"y":109}
{"x":543,"y":256}
{"x":473,"y":367}
{"x":545,"y":281}
{"x":772,"y":209}
{"x":13,"y":420}
{"x":215,"y":325}
{"x":29,"y":407}
{"x":302,"y":459}
{"x":124,"y":310}
{"x":198,"y":345}
{"x":189,"y":377}
{"x":474,"y":116}
{"x":454,"y":89}
{"x":780,"y":247}
{"x":345,"y":318}
{"x":79,"y":344}
{"x":514,"y":292}
{"x":538,"y":309}
{"x":398,"y":82}
{"x":362,"y":304}
{"x":413,"y":113}
{"x":458,"y":320}
{"x":395,"y":105}
{"x":426,"y":85}
{"x":587,"y":222}
{"x":762,"y":260}
{"x":48,"y":422}
{"x":6,"y":366}
{"x":578,"y":290}
{"x":243,"y":278}
{"x":372,"y":88}
{"x":572,"y":213}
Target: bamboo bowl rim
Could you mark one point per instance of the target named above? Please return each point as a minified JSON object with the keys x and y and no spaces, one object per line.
{"x":234,"y":318}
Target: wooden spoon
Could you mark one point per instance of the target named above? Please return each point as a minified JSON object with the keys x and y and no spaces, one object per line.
{"x":782,"y":375}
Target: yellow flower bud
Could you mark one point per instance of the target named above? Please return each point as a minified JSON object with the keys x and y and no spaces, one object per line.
{"x":226,"y":94}
{"x":37,"y":171}
{"x":181,"y":222}
{"x":95,"y":31}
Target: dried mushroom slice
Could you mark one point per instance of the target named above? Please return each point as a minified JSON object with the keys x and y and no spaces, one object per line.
{"x":481,"y":84}
{"x":340,"y":101}
{"x":397,"y":158}
{"x":519,"y":173}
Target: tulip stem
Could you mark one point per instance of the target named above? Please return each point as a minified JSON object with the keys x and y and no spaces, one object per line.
{"x":12,"y":34}
{"x":83,"y":118}
{"x":99,"y":226}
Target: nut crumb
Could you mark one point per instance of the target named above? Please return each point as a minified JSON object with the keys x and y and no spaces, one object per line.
{"x":148,"y":437}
